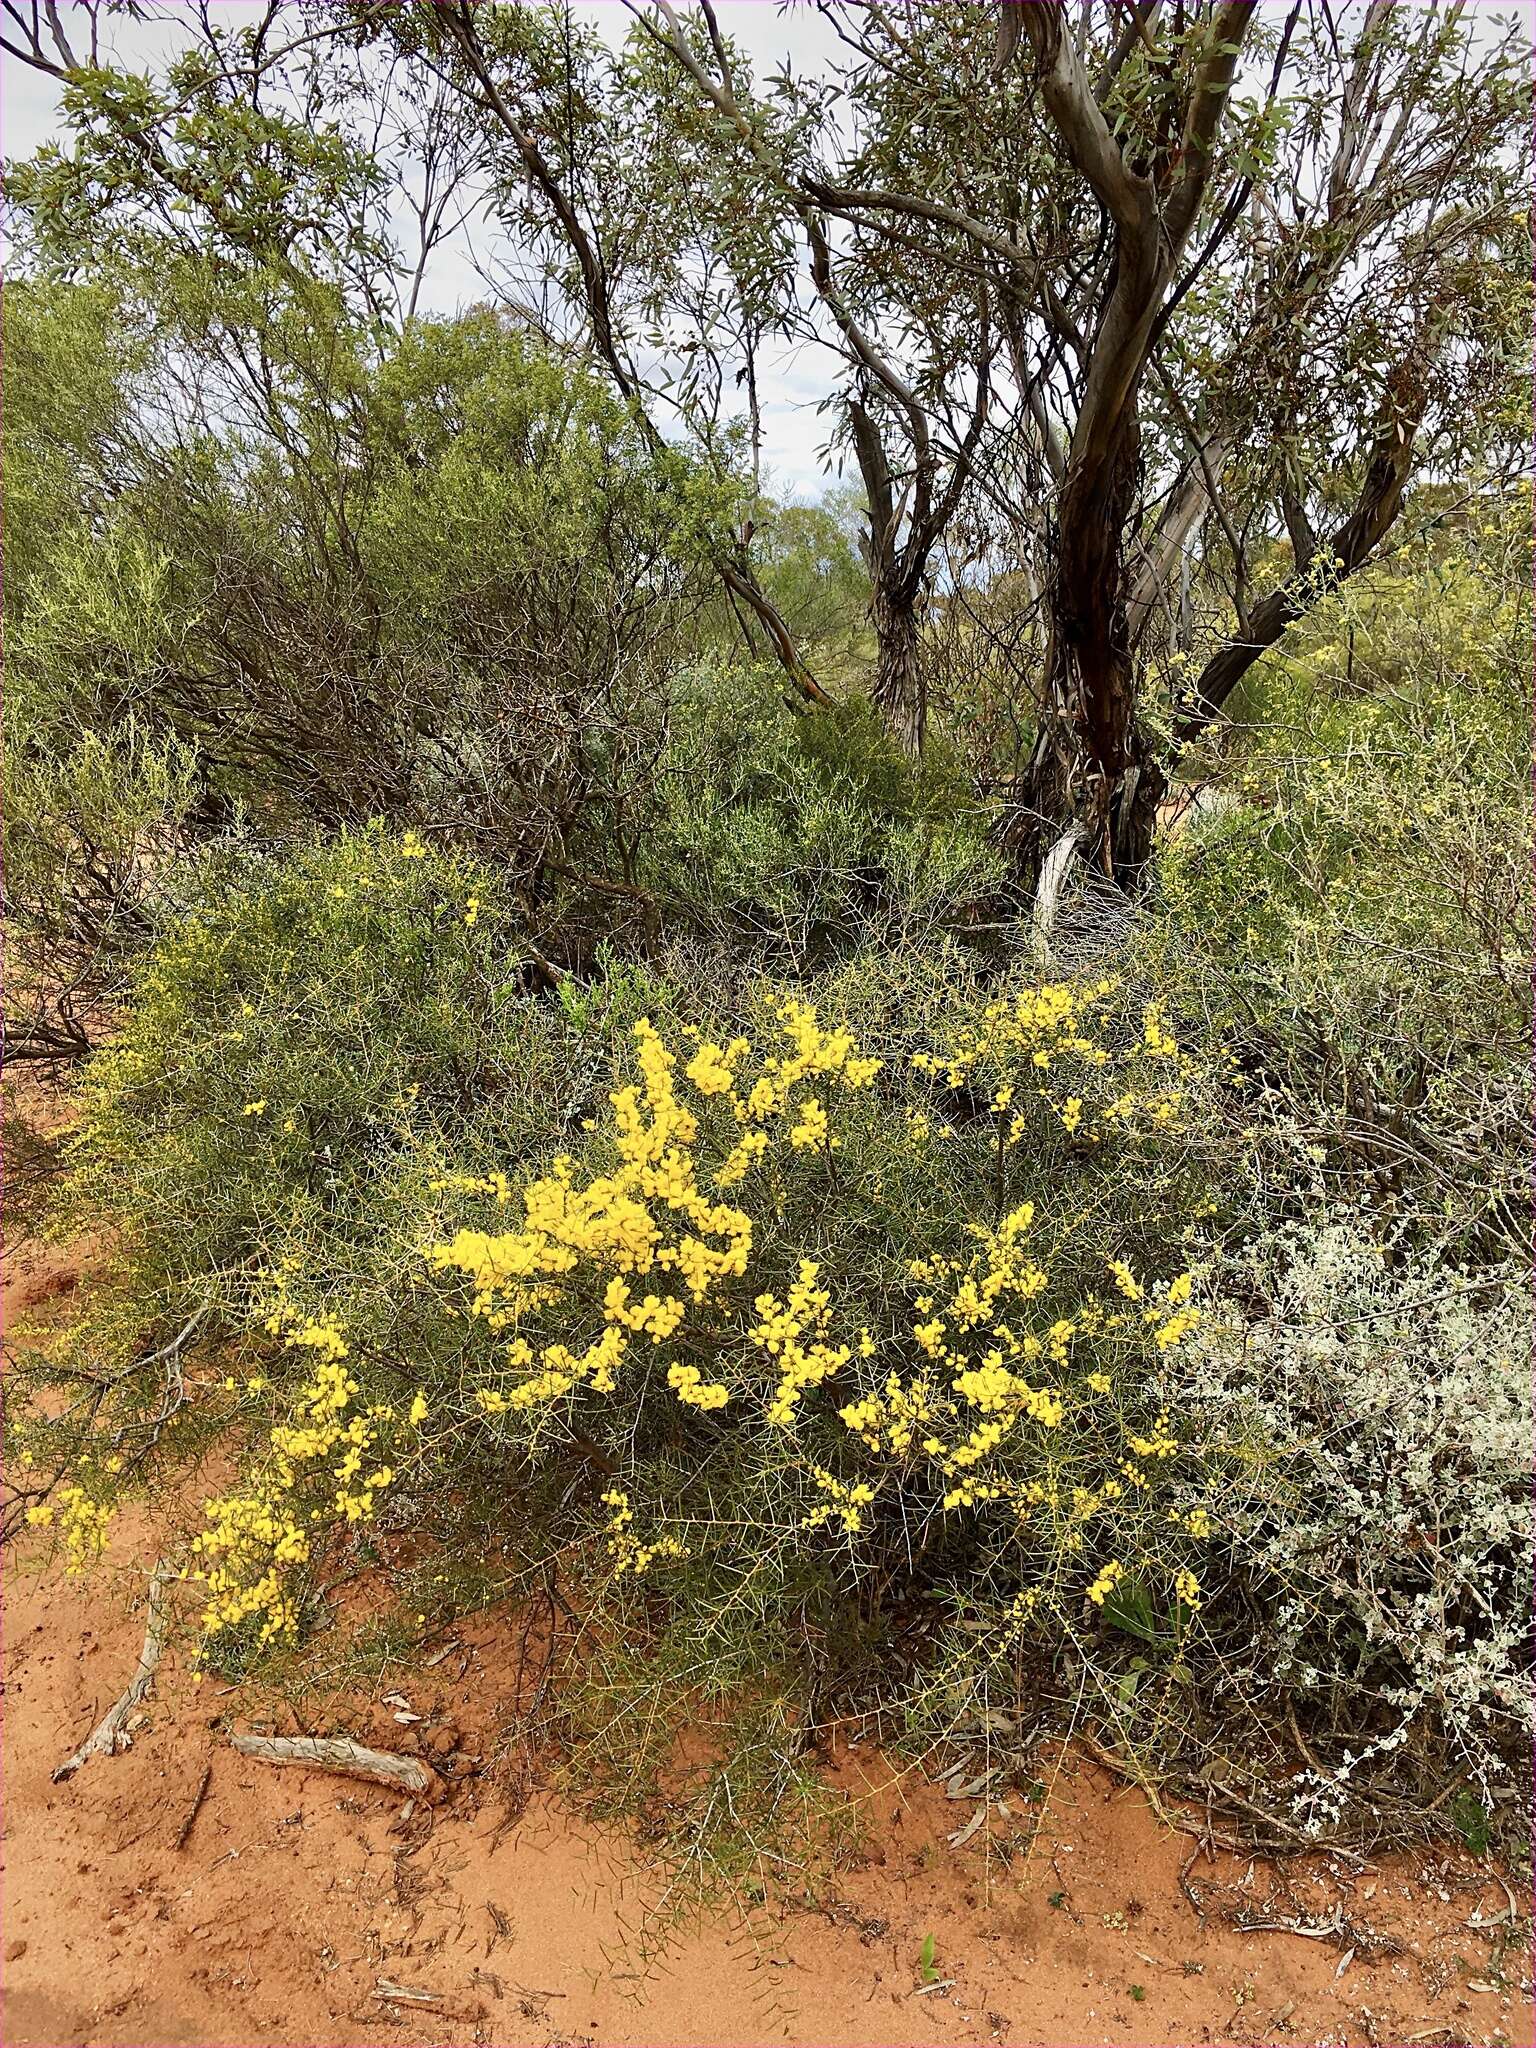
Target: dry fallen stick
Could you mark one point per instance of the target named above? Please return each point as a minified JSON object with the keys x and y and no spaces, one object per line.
{"x":110,"y":1733}
{"x":196,"y":1807}
{"x":337,"y":1753}
{"x":406,"y":1993}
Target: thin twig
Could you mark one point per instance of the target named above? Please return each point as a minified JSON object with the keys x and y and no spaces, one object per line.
{"x":197,"y":1805}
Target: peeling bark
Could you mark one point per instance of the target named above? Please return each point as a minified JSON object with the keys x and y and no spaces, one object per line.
{"x":351,"y":1759}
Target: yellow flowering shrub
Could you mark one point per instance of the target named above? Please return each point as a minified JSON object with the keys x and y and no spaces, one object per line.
{"x":1039,"y":1052}
{"x":683,"y":1281}
{"x":588,"y":1244}
{"x":773,"y":1324}
{"x":328,"y":1463}
{"x":81,"y":1521}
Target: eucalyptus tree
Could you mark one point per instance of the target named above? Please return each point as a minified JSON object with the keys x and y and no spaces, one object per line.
{"x":665,"y":196}
{"x":1256,"y":274}
{"x":265,"y":140}
{"x":1186,"y":295}
{"x":916,"y":347}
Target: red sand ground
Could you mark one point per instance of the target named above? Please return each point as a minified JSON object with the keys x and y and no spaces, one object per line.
{"x":298,"y":1900}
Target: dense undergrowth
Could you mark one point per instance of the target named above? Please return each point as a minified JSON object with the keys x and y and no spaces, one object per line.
{"x":654,"y":1177}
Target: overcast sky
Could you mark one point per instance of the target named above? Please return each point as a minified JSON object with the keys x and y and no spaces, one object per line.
{"x":790,"y":383}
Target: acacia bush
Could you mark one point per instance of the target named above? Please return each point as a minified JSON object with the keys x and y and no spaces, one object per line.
{"x":284,"y":1038}
{"x":438,"y":577}
{"x":862,"y":1342}
{"x":839,"y":1312}
{"x":1353,"y":916}
{"x":98,"y":858}
{"x":788,"y":1326}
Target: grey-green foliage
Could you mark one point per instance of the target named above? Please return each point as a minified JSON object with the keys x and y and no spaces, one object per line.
{"x":96,"y":856}
{"x":1375,"y":1411}
{"x":808,"y":561}
{"x":95,"y":805}
{"x":66,"y":361}
{"x":362,"y":573}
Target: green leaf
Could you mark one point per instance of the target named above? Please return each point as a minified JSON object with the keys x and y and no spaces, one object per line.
{"x":1129,"y":1607}
{"x":1471,"y":1820}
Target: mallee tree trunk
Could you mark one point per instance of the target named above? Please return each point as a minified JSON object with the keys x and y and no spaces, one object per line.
{"x":899,"y":692}
{"x":1091,"y":770}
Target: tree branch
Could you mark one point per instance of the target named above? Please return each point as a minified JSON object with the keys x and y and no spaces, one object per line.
{"x":1347,"y":549}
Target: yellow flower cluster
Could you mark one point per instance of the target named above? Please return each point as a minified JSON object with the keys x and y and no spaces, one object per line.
{"x":1159,"y":1445}
{"x":1106,"y":1582}
{"x":813,"y":1128}
{"x":583,"y":1243}
{"x":1176,"y":1328}
{"x":1035,"y":1025}
{"x":976,"y":1323}
{"x":647,"y":1217}
{"x":693,"y":1390}
{"x":973,"y":1337}
{"x":793,"y":1334}
{"x":81,"y":1521}
{"x":844,"y":1503}
{"x":1024,"y":1041}
{"x":249,"y":1547}
{"x":1125,"y":1280}
{"x":978,"y":1378}
{"x":713,"y":1071}
{"x":891,"y":1419}
{"x":629,"y":1554}
{"x":256,"y":1536}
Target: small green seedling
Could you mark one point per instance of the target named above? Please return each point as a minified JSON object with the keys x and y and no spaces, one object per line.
{"x":1472,"y":1822}
{"x":1057,"y":1899}
{"x":925,"y":1966}
{"x":1138,"y":1992}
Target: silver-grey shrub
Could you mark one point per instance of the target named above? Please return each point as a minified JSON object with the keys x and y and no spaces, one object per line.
{"x":1375,"y":1412}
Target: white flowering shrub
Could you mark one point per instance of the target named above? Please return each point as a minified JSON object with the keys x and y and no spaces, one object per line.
{"x":1374,"y":1414}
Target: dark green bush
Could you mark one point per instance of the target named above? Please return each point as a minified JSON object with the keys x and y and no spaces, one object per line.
{"x":802,"y":838}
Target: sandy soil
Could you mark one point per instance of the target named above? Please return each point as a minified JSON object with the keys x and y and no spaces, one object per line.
{"x":296,"y":1907}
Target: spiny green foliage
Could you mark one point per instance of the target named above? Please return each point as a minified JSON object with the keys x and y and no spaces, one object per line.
{"x":286,"y":1037}
{"x":333,"y":1068}
{"x":807,"y":836}
{"x":1357,"y":911}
